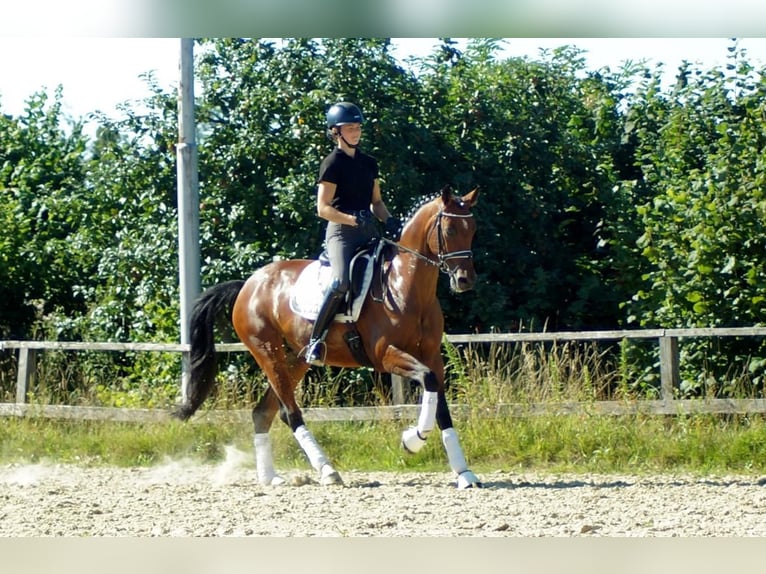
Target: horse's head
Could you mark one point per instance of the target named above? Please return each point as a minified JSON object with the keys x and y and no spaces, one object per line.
{"x":454,"y":231}
{"x":450,"y":236}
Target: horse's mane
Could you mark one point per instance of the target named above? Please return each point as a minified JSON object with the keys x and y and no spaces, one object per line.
{"x":420,"y":202}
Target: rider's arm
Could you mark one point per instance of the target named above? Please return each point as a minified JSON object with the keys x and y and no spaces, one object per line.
{"x":377,"y":206}
{"x":325,"y":210}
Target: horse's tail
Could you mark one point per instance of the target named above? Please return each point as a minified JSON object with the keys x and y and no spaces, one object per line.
{"x":203,"y":367}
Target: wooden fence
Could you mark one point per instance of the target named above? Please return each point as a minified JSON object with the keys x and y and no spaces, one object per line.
{"x":667,"y":404}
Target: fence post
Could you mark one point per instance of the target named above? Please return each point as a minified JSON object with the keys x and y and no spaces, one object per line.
{"x":670,"y":377}
{"x":25,"y":372}
{"x":185,"y":374}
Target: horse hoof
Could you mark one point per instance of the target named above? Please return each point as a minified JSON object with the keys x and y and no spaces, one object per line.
{"x":271,"y":480}
{"x":412,"y":442}
{"x":333,"y":479}
{"x":468,"y":479}
{"x":330,"y":477}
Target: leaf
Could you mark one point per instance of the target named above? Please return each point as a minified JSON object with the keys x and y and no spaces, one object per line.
{"x":700,"y":308}
{"x":694,"y":296}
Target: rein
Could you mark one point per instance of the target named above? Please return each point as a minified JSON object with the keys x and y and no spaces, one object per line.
{"x":442,"y":258}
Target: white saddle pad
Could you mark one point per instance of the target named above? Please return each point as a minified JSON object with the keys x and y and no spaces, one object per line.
{"x":308,"y":293}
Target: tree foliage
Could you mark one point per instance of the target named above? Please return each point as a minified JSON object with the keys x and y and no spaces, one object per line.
{"x":704,"y":222}
{"x":42,"y":172}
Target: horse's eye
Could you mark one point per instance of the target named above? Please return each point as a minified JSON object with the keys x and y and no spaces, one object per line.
{"x":450,"y":231}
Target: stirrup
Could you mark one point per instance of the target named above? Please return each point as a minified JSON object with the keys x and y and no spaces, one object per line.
{"x":314,"y":355}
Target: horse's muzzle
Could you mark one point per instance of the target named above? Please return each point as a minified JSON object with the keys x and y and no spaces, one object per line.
{"x":462,"y":280}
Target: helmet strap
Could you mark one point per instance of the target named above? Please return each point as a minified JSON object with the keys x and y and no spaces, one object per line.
{"x":352,"y":146}
{"x":339,"y":134}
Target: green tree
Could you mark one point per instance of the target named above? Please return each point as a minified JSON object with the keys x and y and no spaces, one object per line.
{"x":703,"y":218}
{"x":705,"y":222}
{"x":540,"y":139}
{"x":42,"y":175}
{"x":130,"y":229}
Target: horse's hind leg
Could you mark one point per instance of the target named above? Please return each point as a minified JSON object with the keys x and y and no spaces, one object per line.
{"x":284,"y":373}
{"x":263,"y":416}
{"x":317,"y":457}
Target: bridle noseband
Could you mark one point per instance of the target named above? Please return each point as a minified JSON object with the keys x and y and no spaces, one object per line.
{"x":444,"y":257}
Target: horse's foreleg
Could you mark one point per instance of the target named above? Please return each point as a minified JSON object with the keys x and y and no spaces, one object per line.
{"x":455,"y":456}
{"x":415,"y":437}
{"x":433,"y":410}
{"x":402,"y":363}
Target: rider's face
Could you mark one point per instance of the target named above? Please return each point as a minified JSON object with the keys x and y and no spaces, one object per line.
{"x":352,"y":133}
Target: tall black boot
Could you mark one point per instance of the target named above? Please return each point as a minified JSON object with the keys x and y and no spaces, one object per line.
{"x":314,"y":355}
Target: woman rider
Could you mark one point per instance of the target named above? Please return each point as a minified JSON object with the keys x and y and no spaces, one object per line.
{"x":348,"y":197}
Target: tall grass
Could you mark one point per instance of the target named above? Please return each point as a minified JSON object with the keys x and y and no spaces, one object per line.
{"x":528,"y":374}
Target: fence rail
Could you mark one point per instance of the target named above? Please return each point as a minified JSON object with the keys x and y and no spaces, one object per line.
{"x":669,"y":380}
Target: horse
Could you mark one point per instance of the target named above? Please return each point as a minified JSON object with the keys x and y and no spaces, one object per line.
{"x":401,"y":333}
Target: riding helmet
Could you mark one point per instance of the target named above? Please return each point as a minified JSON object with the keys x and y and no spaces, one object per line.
{"x":344,"y":113}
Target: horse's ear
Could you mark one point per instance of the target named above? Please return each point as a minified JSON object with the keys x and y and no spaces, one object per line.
{"x":446,"y":192}
{"x":472,"y":197}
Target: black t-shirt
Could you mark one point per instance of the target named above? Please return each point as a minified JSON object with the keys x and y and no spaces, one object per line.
{"x":353,"y":176}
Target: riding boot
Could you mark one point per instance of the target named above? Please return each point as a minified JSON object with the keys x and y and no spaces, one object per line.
{"x":327,"y":312}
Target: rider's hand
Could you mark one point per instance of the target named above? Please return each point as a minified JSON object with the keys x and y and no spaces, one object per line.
{"x":363,"y":218}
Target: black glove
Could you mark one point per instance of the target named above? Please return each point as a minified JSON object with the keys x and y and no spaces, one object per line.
{"x":393,"y":229}
{"x":363,"y":218}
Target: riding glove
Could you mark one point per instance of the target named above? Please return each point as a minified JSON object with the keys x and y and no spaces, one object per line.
{"x":363,"y":218}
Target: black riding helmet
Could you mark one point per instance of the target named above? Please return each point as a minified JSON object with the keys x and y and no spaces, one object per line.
{"x":344,"y":113}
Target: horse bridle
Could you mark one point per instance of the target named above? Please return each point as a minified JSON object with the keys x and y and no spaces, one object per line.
{"x":442,"y":257}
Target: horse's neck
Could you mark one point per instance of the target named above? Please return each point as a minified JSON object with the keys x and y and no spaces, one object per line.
{"x":414,"y":277}
{"x":412,"y":280}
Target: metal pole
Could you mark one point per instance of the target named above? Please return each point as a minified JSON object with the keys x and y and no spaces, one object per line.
{"x":188,"y":198}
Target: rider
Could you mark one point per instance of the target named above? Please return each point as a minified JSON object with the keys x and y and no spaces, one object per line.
{"x":348,"y":197}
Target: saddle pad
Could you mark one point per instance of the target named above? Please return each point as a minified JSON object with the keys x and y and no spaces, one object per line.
{"x":307,"y":295}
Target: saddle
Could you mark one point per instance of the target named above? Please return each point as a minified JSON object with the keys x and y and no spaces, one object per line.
{"x":308,"y":293}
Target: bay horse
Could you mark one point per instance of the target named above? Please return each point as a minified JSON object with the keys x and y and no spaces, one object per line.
{"x":401,"y":333}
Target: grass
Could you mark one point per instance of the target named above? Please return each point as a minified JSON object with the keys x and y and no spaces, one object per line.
{"x":636,"y":444}
{"x":698,"y":444}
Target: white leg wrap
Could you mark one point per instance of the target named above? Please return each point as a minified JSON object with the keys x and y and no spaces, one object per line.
{"x":313,"y":451}
{"x":412,"y":441}
{"x":454,"y":451}
{"x":427,"y":413}
{"x":414,"y":438}
{"x":264,"y":462}
{"x":465,"y":478}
